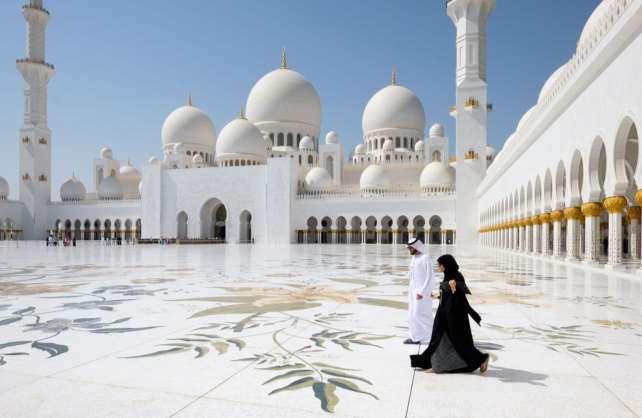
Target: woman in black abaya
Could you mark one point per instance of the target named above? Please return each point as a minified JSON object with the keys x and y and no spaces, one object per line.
{"x":451,"y":348}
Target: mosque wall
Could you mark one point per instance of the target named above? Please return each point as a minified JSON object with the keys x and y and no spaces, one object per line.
{"x":13,"y":216}
{"x":592,"y":110}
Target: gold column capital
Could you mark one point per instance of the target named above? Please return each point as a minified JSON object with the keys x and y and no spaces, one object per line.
{"x":528,"y":221}
{"x":638,"y":196}
{"x":535,"y":220}
{"x":592,"y":209}
{"x":633,"y":213}
{"x":615,"y":204}
{"x":545,"y":217}
{"x":572,"y":213}
{"x":557,"y":216}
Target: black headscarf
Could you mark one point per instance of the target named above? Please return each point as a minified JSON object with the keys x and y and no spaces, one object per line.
{"x":451,"y":271}
{"x":451,"y":268}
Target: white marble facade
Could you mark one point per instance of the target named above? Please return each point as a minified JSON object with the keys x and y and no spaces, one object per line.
{"x":296,"y":187}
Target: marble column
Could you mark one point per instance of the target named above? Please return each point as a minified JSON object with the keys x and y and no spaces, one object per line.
{"x":556,"y":217}
{"x":633,"y":215}
{"x":592,"y":212}
{"x":537,"y":240}
{"x":615,"y":206}
{"x":580,"y":235}
{"x":545,"y":219}
{"x":572,"y":216}
{"x":529,"y":235}
{"x":363,"y":235}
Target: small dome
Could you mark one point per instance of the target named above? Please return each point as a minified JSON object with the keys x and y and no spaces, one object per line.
{"x":72,"y":190}
{"x":596,"y":20}
{"x":241,"y":138}
{"x":360,"y":149}
{"x":106,"y":153}
{"x":388,"y":145}
{"x":179,"y":148}
{"x":197,"y":159}
{"x":374,"y":178}
{"x":306,"y":144}
{"x":4,"y":189}
{"x":284,"y":95}
{"x":550,"y":83}
{"x":153,"y":160}
{"x":332,"y":138}
{"x":110,"y":189}
{"x":318,"y":179}
{"x":436,"y":130}
{"x":437,"y":175}
{"x":190,"y":125}
{"x":394,"y":107}
{"x":526,"y":117}
{"x":419,"y":146}
{"x":127,"y":171}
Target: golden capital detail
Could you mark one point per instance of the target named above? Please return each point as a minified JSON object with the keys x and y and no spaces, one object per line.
{"x":638,"y":196}
{"x":545,"y":217}
{"x":572,"y":213}
{"x":557,"y":215}
{"x":615,"y":204}
{"x":633,"y":213}
{"x":535,"y":220}
{"x":592,"y":209}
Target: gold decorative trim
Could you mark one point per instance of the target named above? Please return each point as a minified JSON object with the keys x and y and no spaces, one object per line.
{"x":572,"y":213}
{"x":615,"y":204}
{"x":557,"y":216}
{"x":633,"y":213}
{"x":592,"y":209}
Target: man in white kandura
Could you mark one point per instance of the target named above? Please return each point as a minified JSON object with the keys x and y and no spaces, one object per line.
{"x":419,"y":294}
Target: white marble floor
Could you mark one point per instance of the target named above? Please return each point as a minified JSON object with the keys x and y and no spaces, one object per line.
{"x":302,"y":331}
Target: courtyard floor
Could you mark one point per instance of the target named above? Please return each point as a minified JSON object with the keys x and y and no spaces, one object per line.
{"x":302,"y":331}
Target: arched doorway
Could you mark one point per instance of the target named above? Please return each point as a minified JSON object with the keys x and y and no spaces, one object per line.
{"x":213,"y":220}
{"x":435,"y":230}
{"x":341,"y":230}
{"x":181,"y":225}
{"x":87,"y":236}
{"x":326,"y":230}
{"x":355,"y":230}
{"x":97,"y":230}
{"x":419,"y":223}
{"x":402,"y":229}
{"x":371,"y":230}
{"x":77,"y":233}
{"x":128,"y":230}
{"x":312,"y":230}
{"x":386,"y":230}
{"x":245,"y":232}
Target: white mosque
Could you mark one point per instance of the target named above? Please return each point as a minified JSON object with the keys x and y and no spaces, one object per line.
{"x":267,"y":176}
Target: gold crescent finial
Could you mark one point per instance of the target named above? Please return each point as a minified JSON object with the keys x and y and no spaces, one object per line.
{"x":284,"y":59}
{"x":189,"y":99}
{"x":242,"y":113}
{"x":393,"y":80}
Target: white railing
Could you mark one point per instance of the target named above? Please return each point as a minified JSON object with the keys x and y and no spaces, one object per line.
{"x":354,"y":192}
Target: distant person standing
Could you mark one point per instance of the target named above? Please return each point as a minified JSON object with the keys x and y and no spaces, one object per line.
{"x":420,"y":286}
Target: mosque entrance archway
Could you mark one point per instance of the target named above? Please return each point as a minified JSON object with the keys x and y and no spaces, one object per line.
{"x":402,"y":229}
{"x":181,"y":225}
{"x":386,"y":230}
{"x":245,"y":232}
{"x":371,"y":230}
{"x":326,"y":230}
{"x":355,"y":230}
{"x":312,"y":230}
{"x":213,"y":220}
{"x":341,"y":230}
{"x":435,"y":230}
{"x":419,"y":223}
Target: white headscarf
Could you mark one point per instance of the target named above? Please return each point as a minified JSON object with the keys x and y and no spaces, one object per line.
{"x":417,"y":245}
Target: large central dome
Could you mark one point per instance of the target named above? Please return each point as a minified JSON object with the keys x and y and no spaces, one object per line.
{"x":394,"y":107}
{"x":284,"y":95}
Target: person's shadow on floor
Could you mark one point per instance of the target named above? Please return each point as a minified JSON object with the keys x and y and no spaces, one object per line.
{"x":507,"y":375}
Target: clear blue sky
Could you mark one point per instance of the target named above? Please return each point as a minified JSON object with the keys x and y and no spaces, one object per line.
{"x":123,"y":65}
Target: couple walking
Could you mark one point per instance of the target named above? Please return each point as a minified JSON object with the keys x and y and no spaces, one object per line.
{"x":450,"y":341}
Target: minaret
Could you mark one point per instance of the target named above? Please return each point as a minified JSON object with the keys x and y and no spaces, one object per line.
{"x":35,"y":136}
{"x":471,"y":109}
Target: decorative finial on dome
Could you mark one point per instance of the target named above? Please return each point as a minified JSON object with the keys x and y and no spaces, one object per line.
{"x":189,"y":99}
{"x":393,"y":80}
{"x":284,"y":60}
{"x":242,"y":113}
